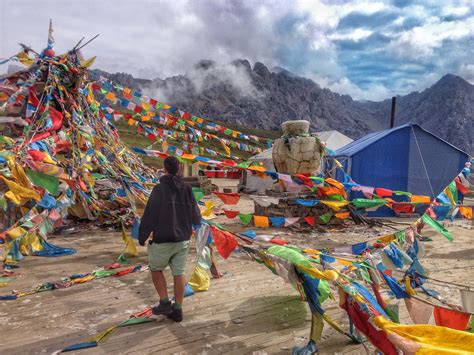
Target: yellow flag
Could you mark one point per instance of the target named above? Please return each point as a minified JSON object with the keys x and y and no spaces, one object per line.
{"x":16,"y":232}
{"x":18,"y":172}
{"x":130,"y":247}
{"x":207,"y":211}
{"x":88,"y":62}
{"x":19,"y":194}
{"x":25,"y":59}
{"x":427,"y":339}
{"x":344,"y":262}
{"x":200,"y":280}
{"x":335,"y":205}
{"x":226,"y":148}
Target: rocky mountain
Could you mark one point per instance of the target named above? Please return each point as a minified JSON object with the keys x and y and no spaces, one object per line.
{"x":264,"y":98}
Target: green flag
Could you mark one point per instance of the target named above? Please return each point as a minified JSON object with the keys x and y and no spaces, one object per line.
{"x":198,"y":193}
{"x":454,"y":190}
{"x":104,"y":273}
{"x":245,"y":218}
{"x":400,"y":235}
{"x":137,"y":320}
{"x":48,"y":182}
{"x":365,"y":203}
{"x":3,"y":203}
{"x":336,"y":197}
{"x":437,"y":227}
{"x":325,"y":218}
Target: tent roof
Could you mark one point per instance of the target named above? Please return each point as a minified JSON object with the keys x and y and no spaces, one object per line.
{"x":334,"y":139}
{"x":362,"y":143}
{"x":265,"y":155}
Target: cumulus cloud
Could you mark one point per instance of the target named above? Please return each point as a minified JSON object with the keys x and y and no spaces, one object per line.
{"x":363,"y":48}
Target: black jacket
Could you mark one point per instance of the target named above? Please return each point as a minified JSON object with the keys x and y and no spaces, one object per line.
{"x":170,"y":212}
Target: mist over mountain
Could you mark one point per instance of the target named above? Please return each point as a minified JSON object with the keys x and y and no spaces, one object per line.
{"x":264,"y":98}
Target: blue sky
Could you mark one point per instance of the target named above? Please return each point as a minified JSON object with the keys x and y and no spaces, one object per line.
{"x":368,"y":49}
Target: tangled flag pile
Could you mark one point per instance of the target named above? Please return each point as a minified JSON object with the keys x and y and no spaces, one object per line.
{"x":69,"y":159}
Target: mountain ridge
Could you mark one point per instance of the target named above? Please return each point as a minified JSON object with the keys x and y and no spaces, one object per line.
{"x":263,"y":98}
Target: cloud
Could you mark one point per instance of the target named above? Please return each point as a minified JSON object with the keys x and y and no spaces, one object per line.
{"x":205,"y":76}
{"x":420,"y":42}
{"x":363,"y":48}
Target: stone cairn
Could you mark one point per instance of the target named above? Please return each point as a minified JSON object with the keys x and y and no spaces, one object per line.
{"x":297,"y":152}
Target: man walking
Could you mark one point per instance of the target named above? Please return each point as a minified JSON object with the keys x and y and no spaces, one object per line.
{"x":170,"y":213}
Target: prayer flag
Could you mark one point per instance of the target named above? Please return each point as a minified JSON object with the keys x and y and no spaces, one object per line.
{"x":364,"y":203}
{"x":291,"y":220}
{"x":383,"y":192}
{"x":225,"y":242}
{"x":245,"y":218}
{"x":261,"y":221}
{"x":228,"y":198}
{"x":420,"y":199}
{"x":420,"y":312}
{"x":231,"y":214}
{"x":198,"y":193}
{"x":451,"y":318}
{"x":48,"y":182}
{"x":467,"y":298}
{"x":325,"y":218}
{"x":310,"y":220}
{"x":466,"y":212}
{"x":436,"y":226}
{"x":200,"y":280}
{"x":277,"y":221}
{"x":335,"y":205}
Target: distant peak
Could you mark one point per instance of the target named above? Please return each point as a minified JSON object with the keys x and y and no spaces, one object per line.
{"x":452,"y":79}
{"x":205,"y":64}
{"x":260,"y":69}
{"x":242,"y":63}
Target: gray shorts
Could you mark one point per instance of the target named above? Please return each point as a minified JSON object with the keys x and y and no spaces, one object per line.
{"x":160,"y":255}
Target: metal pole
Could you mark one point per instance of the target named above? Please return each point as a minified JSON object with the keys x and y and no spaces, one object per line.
{"x":392,"y":115}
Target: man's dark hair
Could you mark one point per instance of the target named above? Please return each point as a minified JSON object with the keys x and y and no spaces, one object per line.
{"x":171,"y":165}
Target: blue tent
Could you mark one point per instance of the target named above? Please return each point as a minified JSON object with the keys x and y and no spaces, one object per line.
{"x":404,"y":158}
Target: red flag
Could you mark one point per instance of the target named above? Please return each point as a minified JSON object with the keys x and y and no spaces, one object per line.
{"x":463,"y":189}
{"x":383,"y":192}
{"x":62,"y":146}
{"x":40,"y":136}
{"x":309,"y":220}
{"x":228,"y":198}
{"x":231,"y":214}
{"x":56,"y":118}
{"x":95,"y":86}
{"x":403,"y":207}
{"x":225,"y":242}
{"x":451,"y":318}
{"x":279,"y":241}
{"x":37,"y":155}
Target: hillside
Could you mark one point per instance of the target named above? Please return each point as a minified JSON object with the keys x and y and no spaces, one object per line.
{"x":262,"y":98}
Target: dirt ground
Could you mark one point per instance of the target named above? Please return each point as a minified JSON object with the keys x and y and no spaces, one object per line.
{"x":249,"y":310}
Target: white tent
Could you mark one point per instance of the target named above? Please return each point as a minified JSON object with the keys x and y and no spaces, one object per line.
{"x":258,"y":184}
{"x":333,"y":140}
